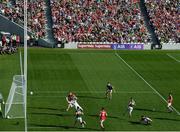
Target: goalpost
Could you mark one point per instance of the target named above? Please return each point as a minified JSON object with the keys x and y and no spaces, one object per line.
{"x":14,"y":107}
{"x":16,"y":104}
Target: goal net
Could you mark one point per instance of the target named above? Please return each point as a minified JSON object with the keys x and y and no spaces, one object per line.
{"x":14,"y":107}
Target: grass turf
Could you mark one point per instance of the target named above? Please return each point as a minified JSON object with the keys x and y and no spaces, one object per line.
{"x":52,"y":73}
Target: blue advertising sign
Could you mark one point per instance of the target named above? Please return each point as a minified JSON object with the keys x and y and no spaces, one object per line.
{"x":127,"y":46}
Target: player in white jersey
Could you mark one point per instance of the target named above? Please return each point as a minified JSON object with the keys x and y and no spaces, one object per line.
{"x":79,"y":114}
{"x":131,"y":105}
{"x":145,"y":120}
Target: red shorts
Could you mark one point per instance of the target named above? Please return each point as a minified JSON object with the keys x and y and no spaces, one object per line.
{"x":103,"y":118}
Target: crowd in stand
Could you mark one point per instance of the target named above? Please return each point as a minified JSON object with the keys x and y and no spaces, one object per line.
{"x":9,"y":43}
{"x":98,"y":21}
{"x":36,"y":18}
{"x":165,"y":16}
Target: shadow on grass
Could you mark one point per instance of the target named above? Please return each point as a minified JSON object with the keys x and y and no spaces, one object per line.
{"x":61,"y":126}
{"x":46,"y":108}
{"x":53,"y":114}
{"x":138,"y":123}
{"x":1,"y":116}
{"x":135,"y":122}
{"x":160,"y":118}
{"x":97,"y":116}
{"x":140,"y":109}
{"x":91,"y":97}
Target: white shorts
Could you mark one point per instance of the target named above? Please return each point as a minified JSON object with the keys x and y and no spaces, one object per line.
{"x":71,"y":103}
{"x":79,"y":119}
{"x":130,"y":109}
{"x":169,"y":104}
{"x":75,"y":104}
{"x":109,"y":91}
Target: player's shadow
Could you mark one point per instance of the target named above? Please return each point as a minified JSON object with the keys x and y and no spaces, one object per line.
{"x":140,"y":109}
{"x":138,"y":123}
{"x":97,"y":116}
{"x":1,"y":116}
{"x":53,"y":114}
{"x":161,"y":118}
{"x":135,"y":122}
{"x":90,"y":97}
{"x":47,"y":108}
{"x":62,"y":126}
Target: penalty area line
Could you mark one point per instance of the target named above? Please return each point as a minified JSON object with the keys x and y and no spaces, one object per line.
{"x":130,"y":67}
{"x":172,"y":57}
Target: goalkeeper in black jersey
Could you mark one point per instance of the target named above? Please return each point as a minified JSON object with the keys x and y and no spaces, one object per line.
{"x":79,"y":114}
{"x":109,"y":89}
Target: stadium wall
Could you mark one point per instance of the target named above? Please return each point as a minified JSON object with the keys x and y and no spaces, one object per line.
{"x":171,"y":46}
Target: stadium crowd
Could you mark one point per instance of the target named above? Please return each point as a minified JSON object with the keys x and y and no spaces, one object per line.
{"x":9,"y":43}
{"x":164,"y":16}
{"x":98,"y":21}
{"x":36,"y":17}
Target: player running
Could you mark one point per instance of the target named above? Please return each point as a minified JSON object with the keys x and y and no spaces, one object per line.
{"x":170,"y":100}
{"x":103,"y":116}
{"x":72,"y":101}
{"x":131,"y":105}
{"x":109,"y":90}
{"x":79,"y":114}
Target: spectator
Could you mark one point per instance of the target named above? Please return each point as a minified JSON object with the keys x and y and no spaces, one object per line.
{"x":164,"y":16}
{"x":96,"y":21}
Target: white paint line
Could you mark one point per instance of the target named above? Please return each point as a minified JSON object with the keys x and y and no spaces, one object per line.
{"x":60,"y":96}
{"x":145,"y":81}
{"x":172,"y":57}
{"x":95,"y":92}
{"x":44,"y":96}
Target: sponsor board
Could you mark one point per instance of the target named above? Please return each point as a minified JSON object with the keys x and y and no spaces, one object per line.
{"x":94,"y":46}
{"x":127,"y":46}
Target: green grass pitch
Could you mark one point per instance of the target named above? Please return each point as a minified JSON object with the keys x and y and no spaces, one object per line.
{"x":147,"y":76}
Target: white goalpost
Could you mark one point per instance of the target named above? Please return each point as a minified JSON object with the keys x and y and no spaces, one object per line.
{"x":16,"y":104}
{"x":14,"y":107}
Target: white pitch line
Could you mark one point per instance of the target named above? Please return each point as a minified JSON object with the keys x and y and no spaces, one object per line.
{"x":60,"y":96}
{"x":172,"y":57}
{"x":65,"y":92}
{"x":145,"y":81}
{"x":44,"y":127}
{"x":37,"y":96}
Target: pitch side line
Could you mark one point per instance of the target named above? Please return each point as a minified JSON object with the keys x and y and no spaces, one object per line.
{"x":66,"y":92}
{"x":172,"y":57}
{"x":145,"y":81}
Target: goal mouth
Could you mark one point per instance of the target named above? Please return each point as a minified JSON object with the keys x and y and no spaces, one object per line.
{"x":14,"y":106}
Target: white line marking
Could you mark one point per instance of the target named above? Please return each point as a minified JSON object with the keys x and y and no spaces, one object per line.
{"x":60,"y":96}
{"x":76,"y":92}
{"x":44,"y":127}
{"x":172,"y":57}
{"x":37,"y":96}
{"x":145,"y":81}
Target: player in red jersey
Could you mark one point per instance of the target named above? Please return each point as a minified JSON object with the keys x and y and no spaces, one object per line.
{"x":170,"y":101}
{"x":103,"y":116}
{"x":72,"y":101}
